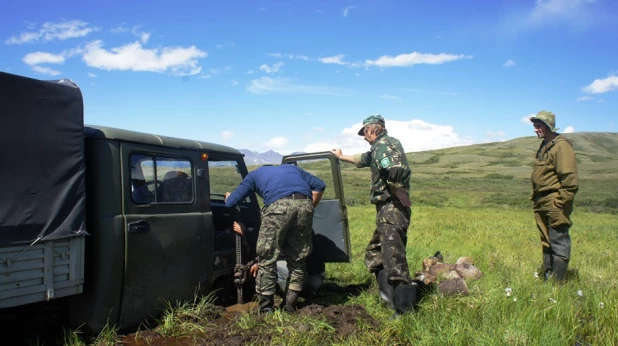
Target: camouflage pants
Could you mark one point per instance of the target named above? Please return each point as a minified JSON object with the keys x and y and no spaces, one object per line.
{"x":387,"y":247}
{"x":286,"y":230}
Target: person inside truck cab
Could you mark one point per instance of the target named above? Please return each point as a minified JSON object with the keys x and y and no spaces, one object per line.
{"x":139,"y":189}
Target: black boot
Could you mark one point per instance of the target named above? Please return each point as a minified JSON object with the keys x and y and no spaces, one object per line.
{"x":547,"y":264}
{"x":266,"y":303}
{"x":559,"y":268}
{"x":404,"y":297}
{"x":290,"y":301}
{"x":384,"y":288}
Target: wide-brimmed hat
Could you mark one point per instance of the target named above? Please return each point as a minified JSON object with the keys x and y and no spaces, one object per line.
{"x":546,"y":117}
{"x":372,"y":119}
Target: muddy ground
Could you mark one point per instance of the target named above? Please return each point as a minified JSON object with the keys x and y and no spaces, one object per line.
{"x":344,"y":320}
{"x":219,"y":326}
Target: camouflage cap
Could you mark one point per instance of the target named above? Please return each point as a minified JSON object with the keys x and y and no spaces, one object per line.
{"x":372,"y":119}
{"x":546,"y":117}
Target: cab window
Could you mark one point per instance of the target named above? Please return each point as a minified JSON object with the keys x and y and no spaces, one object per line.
{"x":321,"y":169}
{"x":224,"y":177}
{"x":160,"y":179}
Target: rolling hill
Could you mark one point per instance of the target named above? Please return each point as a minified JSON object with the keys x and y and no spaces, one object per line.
{"x":597,"y":157}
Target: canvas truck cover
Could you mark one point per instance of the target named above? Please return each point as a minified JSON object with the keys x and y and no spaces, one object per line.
{"x":42,"y":167}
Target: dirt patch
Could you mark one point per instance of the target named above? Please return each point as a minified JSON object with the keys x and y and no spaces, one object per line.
{"x":344,"y":319}
{"x":224,"y":329}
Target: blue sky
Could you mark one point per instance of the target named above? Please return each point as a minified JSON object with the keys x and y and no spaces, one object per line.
{"x":301,"y":75}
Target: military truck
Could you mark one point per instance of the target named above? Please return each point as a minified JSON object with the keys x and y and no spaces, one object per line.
{"x":112,"y":224}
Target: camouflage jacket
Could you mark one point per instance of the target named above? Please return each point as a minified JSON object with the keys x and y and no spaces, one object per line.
{"x":389,"y":167}
{"x":554,"y":175}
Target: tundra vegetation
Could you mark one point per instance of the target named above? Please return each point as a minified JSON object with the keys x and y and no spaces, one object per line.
{"x":467,"y":201}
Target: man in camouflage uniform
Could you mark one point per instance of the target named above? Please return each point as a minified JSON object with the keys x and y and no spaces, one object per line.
{"x":554,"y":185}
{"x":290,"y":195}
{"x":385,"y":256}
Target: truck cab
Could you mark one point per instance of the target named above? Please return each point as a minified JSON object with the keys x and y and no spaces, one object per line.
{"x":154,"y":227}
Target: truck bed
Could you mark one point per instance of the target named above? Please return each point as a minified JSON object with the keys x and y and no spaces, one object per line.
{"x":47,"y":270}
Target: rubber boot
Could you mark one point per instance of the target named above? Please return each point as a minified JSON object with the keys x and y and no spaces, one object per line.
{"x":547,"y":264}
{"x":559,"y":268}
{"x":384,"y":288}
{"x":290,"y":301}
{"x":404,"y":297}
{"x":266,"y":303}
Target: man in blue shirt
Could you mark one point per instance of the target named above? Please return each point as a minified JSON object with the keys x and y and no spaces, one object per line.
{"x":290,"y":195}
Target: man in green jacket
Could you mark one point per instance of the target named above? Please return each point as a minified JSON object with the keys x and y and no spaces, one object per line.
{"x":554,"y":185}
{"x":385,"y":255}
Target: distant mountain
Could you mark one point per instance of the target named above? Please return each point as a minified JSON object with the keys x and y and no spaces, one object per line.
{"x":255,"y":158}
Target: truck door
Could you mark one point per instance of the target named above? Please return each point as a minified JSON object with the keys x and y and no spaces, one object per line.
{"x":168,"y":228}
{"x":330,"y":221}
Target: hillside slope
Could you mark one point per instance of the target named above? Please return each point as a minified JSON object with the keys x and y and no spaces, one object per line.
{"x":496,"y":174}
{"x":597,"y":157}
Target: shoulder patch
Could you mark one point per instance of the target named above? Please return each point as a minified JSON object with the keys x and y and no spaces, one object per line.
{"x":385,"y":162}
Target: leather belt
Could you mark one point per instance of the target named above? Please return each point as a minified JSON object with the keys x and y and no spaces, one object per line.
{"x":296,"y":196}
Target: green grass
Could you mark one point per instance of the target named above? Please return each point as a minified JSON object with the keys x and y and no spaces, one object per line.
{"x":504,"y":244}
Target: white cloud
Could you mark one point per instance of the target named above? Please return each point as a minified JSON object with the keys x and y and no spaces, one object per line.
{"x":600,"y":86}
{"x":217,"y":71}
{"x":38,"y":58}
{"x":414,"y":135}
{"x":568,"y":129}
{"x":226,"y":44}
{"x":414,"y":58}
{"x":205,"y":76}
{"x":45,"y":70}
{"x":119,"y":29}
{"x":54,"y":31}
{"x":526,"y":119}
{"x":34,"y":60}
{"x":347,"y":10}
{"x":574,"y":13}
{"x":318,"y":129}
{"x":92,"y":75}
{"x":271,"y":69}
{"x":333,"y":60}
{"x":289,"y":56}
{"x":226,"y":135}
{"x":250,"y":72}
{"x":601,"y":101}
{"x":509,"y":63}
{"x":144,"y":36}
{"x":391,"y":98}
{"x":276,"y":143}
{"x":133,"y":57}
{"x":494,"y":134}
{"x":548,"y":9}
{"x":584,"y":98}
{"x":267,"y":85}
{"x":234,"y":82}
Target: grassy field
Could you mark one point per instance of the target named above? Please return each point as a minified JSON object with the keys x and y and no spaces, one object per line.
{"x":468,"y":201}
